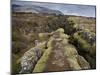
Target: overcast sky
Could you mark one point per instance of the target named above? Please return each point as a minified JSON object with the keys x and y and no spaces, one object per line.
{"x":67,"y":9}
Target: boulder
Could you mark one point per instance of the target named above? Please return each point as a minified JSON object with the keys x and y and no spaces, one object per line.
{"x":85,"y":41}
{"x":29,"y":59}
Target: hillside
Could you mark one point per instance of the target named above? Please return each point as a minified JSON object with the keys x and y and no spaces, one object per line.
{"x":34,"y":9}
{"x":64,"y":42}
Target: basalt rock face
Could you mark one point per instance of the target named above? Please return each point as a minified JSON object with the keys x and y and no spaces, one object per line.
{"x":53,"y":52}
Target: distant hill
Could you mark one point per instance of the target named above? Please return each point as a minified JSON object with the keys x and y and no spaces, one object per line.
{"x":34,"y":9}
{"x":15,"y":5}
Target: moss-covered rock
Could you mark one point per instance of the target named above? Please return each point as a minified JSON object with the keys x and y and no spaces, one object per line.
{"x":37,"y":58}
{"x":73,"y":63}
{"x":42,"y":45}
{"x":70,"y":51}
{"x":83,"y":63}
{"x":40,"y":66}
{"x":44,"y":36}
{"x":29,"y":59}
{"x":50,"y":42}
{"x":76,"y":61}
{"x":60,"y":30}
{"x":90,"y":39}
{"x":85,"y":40}
{"x":59,"y":40}
{"x":93,"y":50}
{"x":82,"y":43}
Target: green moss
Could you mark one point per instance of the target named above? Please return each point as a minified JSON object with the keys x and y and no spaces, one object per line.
{"x":70,"y":51}
{"x":42,"y":46}
{"x":30,"y":53}
{"x":65,"y":41}
{"x":93,"y":50}
{"x":15,"y":65}
{"x":82,"y":44}
{"x":40,"y":66}
{"x":62,"y":35}
{"x":44,"y":36}
{"x":73,"y":63}
{"x":83,"y":63}
{"x":71,"y":54}
{"x":51,"y":42}
{"x":60,"y":30}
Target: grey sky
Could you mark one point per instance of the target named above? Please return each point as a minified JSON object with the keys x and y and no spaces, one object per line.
{"x":67,"y":9}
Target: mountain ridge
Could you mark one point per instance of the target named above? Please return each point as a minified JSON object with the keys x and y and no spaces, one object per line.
{"x":34,"y":9}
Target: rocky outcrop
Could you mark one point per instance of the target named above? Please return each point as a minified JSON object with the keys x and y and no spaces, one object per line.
{"x":85,"y":41}
{"x":52,"y":52}
{"x":30,"y":58}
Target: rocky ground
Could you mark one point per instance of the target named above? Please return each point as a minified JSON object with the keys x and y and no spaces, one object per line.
{"x":57,"y":55}
{"x":49,"y":43}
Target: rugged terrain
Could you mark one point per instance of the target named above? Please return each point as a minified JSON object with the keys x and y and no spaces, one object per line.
{"x":47,"y":43}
